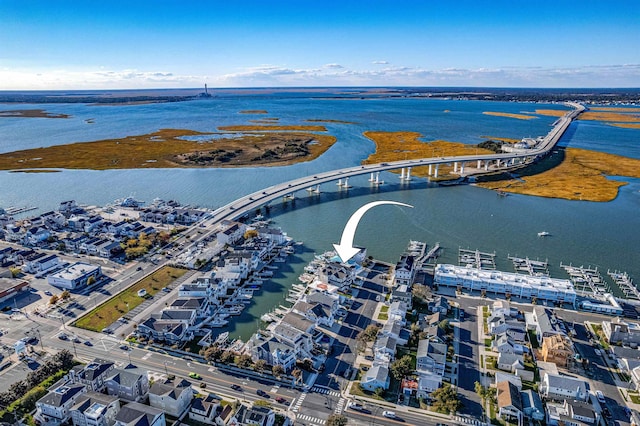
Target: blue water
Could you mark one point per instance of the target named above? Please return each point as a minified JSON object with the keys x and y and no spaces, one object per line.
{"x":598,"y":234}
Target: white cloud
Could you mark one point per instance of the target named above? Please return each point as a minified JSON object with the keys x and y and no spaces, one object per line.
{"x":380,"y":62}
{"x":625,"y":75}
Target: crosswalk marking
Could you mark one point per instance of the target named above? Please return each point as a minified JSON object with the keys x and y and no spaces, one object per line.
{"x":325,"y":391}
{"x":311,"y":419}
{"x":340,"y":406}
{"x":301,"y":398}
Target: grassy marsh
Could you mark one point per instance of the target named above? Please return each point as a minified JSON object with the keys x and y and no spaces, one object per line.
{"x":167,"y":148}
{"x":32,"y":113}
{"x":510,"y":115}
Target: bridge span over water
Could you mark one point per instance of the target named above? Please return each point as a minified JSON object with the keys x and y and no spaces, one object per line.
{"x":462,"y":165}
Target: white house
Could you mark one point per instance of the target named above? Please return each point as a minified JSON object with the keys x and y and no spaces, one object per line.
{"x":54,"y":408}
{"x":77,"y":275}
{"x":431,"y":357}
{"x":95,"y":409}
{"x":405,"y":271}
{"x":376,"y":377}
{"x":563,"y":387}
{"x":173,"y":399}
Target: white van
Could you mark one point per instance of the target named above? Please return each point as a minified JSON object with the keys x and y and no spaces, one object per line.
{"x":600,"y":397}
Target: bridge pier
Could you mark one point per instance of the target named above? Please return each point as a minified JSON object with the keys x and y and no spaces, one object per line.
{"x":402,"y":174}
{"x":436,"y":172}
{"x":455,"y":167}
{"x":371,"y":179}
{"x":479,"y":164}
{"x":486,"y":165}
{"x":462,"y":168}
{"x":408,"y":175}
{"x":430,"y":170}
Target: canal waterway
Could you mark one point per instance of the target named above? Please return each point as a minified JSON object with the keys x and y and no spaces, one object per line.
{"x":605,"y":235}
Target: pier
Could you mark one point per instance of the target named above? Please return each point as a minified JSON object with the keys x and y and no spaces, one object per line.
{"x":587,"y":281}
{"x":476,"y":259}
{"x":530,"y":267}
{"x":625,"y":283}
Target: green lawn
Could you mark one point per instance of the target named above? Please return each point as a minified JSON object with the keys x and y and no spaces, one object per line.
{"x":385,"y":308}
{"x":119,"y":305}
{"x":635,"y":398}
{"x":383,"y":316}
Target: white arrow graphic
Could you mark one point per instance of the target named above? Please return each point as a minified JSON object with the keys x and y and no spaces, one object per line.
{"x":345,"y":249}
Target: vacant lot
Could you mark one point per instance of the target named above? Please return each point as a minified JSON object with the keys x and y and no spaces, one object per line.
{"x":119,"y":305}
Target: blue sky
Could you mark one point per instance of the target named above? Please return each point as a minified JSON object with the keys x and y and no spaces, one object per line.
{"x":161,"y":44}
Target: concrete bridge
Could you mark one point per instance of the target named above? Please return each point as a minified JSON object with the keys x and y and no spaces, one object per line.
{"x":462,"y":165}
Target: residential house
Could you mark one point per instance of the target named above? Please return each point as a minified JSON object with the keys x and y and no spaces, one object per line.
{"x":35,"y":235}
{"x":171,"y":332}
{"x":204,"y":409}
{"x":543,"y":322}
{"x":618,"y":331}
{"x":506,"y":377}
{"x":319,"y":313}
{"x":510,"y":362}
{"x":40,"y":262}
{"x":200,"y":305}
{"x":509,"y":402}
{"x":394,"y":329}
{"x":571,"y":413}
{"x":258,"y":416}
{"x":564,"y":387}
{"x":397,"y":312}
{"x":92,"y":375}
{"x":338,"y":274}
{"x":402,"y":293}
{"x":54,"y":408}
{"x":439,"y":304}
{"x":427,"y":382}
{"x":231,"y":233}
{"x":229,"y":416}
{"x":385,"y":348}
{"x":557,"y":349}
{"x":173,"y":399}
{"x":504,"y":344}
{"x":273,"y":351}
{"x":431,"y":357}
{"x":136,"y":414}
{"x":108,"y":249}
{"x":532,"y":405}
{"x":376,"y":377}
{"x":405,"y":270}
{"x":130,"y":384}
{"x":95,"y":409}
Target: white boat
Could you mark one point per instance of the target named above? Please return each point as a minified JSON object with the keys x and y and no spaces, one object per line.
{"x":543,"y":234}
{"x":218,"y":323}
{"x":222,"y":337}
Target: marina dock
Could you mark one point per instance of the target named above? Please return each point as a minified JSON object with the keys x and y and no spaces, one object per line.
{"x":531,"y":267}
{"x":476,"y":259}
{"x":625,"y":283}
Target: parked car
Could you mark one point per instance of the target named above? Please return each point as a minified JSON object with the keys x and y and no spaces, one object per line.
{"x":355,"y":406}
{"x":124,"y":347}
{"x":600,"y":397}
{"x":63,"y":336}
{"x":598,"y":352}
{"x":88,"y":343}
{"x":48,"y":293}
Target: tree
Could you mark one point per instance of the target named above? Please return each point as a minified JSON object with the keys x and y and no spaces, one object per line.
{"x":380,"y":392}
{"x":369,"y":334}
{"x":421,"y":294}
{"x":401,"y":368}
{"x":336,"y":420}
{"x":65,"y":295}
{"x":445,"y":400}
{"x":213,"y":353}
{"x":278,"y":370}
{"x":444,"y":325}
{"x":244,"y":361}
{"x":54,"y":299}
{"x":297,"y":373}
{"x":91,"y":280}
{"x":260,"y":365}
{"x":227,"y":357}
